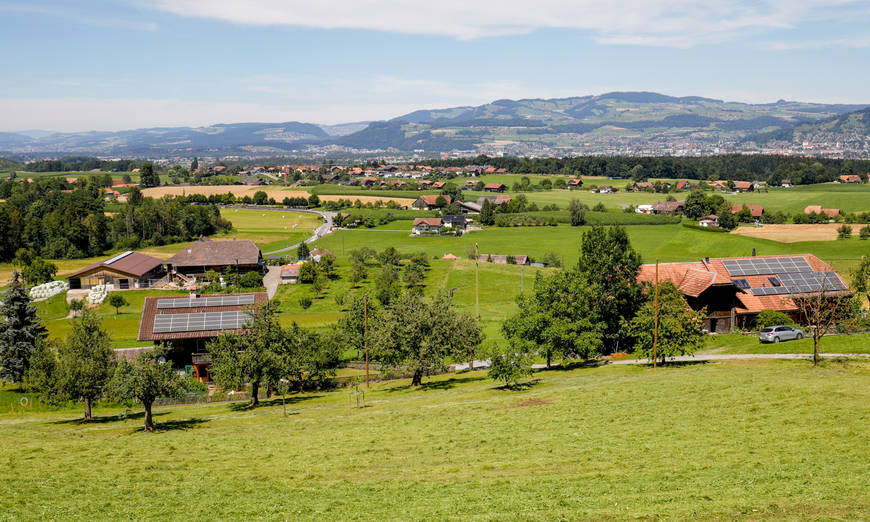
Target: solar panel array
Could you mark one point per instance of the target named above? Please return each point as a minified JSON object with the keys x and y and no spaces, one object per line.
{"x":173,"y":323}
{"x":798,"y":283}
{"x":202,"y":302}
{"x":766,"y":265}
{"x":770,"y":290}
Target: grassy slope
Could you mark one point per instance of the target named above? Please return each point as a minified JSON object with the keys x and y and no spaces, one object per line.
{"x":759,"y":440}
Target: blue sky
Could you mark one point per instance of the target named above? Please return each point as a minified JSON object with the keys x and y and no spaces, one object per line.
{"x":109,"y":65}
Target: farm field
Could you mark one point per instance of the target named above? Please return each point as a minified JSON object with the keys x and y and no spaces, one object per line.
{"x":273,"y":192}
{"x":744,"y":439}
{"x":794,"y":233}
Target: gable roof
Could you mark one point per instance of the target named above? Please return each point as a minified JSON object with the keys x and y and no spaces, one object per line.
{"x":432,"y":222}
{"x":150,"y":311}
{"x":433,"y":198}
{"x":206,"y":252}
{"x":130,"y":263}
{"x":754,"y":210}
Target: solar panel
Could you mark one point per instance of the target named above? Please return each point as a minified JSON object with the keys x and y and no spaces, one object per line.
{"x":798,"y":283}
{"x":204,"y":302}
{"x":173,"y":323}
{"x":769,"y":290}
{"x":764,"y":266}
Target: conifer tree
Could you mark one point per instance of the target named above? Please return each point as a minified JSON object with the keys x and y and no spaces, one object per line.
{"x":20,"y":332}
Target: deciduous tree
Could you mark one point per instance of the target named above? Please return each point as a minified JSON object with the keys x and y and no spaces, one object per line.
{"x":146,"y":379}
{"x":680,"y":329}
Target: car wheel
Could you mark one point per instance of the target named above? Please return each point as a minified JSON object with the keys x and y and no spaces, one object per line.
{"x":776,"y":339}
{"x":799,"y":336}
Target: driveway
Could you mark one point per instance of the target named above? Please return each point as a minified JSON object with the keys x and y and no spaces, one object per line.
{"x":272,"y":280}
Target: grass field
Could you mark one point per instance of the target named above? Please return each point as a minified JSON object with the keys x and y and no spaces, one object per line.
{"x":738,"y":440}
{"x":737,"y":344}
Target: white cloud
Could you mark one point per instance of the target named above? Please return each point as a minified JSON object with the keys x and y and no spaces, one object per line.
{"x":671,"y":23}
{"x":861,"y":42}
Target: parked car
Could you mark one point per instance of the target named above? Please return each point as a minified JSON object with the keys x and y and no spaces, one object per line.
{"x":775,"y":334}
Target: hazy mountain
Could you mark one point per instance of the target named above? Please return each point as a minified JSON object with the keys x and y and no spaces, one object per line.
{"x":617,"y":122}
{"x":850,"y":130}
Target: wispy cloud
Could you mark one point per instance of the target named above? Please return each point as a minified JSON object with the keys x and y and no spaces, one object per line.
{"x":81,"y":15}
{"x":860,"y":42}
{"x":668,"y":23}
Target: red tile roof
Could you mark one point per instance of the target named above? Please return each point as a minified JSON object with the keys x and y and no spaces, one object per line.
{"x":432,"y":198}
{"x":432,"y":222}
{"x":149,"y":311}
{"x":755,"y":210}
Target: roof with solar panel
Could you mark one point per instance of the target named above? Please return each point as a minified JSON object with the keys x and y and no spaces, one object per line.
{"x":762,"y":282}
{"x":196,"y":317}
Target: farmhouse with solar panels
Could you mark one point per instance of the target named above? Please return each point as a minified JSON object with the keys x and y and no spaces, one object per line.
{"x":734,"y":290}
{"x":187,"y":323}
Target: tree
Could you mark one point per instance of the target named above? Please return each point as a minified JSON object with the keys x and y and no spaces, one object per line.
{"x":487,"y":213}
{"x":844,"y":231}
{"x":21,"y":331}
{"x":146,"y":379}
{"x":680,"y":329}
{"x":358,"y":272}
{"x":34,"y":270}
{"x":81,"y":367}
{"x":116,"y":301}
{"x":194,"y":165}
{"x":577,"y":211}
{"x":260,"y":198}
{"x":352,"y":323}
{"x":418,"y":335}
{"x":326,"y":266}
{"x":861,"y":277}
{"x":249,"y":356}
{"x":440,"y":202}
{"x":557,"y":317}
{"x":864,"y":233}
{"x":697,"y":205}
{"x":511,"y":362}
{"x":609,"y":266}
{"x":822,"y":311}
{"x":389,"y":256}
{"x":303,"y":252}
{"x":386,"y":285}
{"x":147,"y":176}
{"x":313,"y":200}
{"x":727,"y":220}
{"x":134,"y":197}
{"x":307,"y":273}
{"x":413,"y":276}
{"x":76,"y":306}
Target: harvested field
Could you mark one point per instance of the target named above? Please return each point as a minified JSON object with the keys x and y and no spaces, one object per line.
{"x":794,"y":233}
{"x":277,"y":193}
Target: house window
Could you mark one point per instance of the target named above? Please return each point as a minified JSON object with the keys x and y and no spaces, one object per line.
{"x":774,"y":281}
{"x":741,"y":283}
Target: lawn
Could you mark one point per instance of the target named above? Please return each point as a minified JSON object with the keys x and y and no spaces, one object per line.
{"x":736,"y":343}
{"x":754,"y":440}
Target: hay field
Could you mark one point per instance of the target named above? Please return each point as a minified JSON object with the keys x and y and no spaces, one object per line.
{"x":242,"y":190}
{"x":794,"y":233}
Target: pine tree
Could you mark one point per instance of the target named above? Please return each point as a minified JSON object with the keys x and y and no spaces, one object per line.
{"x":20,"y":332}
{"x":194,"y":165}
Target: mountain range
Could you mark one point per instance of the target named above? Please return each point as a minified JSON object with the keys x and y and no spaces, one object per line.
{"x":617,"y":122}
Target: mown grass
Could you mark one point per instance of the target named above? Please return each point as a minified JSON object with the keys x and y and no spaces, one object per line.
{"x":757,"y":440}
{"x":737,"y":344}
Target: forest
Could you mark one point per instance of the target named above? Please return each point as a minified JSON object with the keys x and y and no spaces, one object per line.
{"x":59,"y":223}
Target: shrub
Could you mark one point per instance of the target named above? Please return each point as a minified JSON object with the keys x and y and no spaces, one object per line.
{"x":844,"y":232}
{"x":305,"y":302}
{"x":772,"y":317}
{"x":864,"y":233}
{"x":599,"y":207}
{"x":251,"y":280}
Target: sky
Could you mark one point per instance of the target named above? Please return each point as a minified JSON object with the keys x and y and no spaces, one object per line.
{"x":124,"y":64}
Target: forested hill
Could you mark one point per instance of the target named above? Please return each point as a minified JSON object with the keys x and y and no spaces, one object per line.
{"x":851,"y":129}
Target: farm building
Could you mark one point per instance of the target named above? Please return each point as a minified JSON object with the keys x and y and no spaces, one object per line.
{"x":129,"y":270}
{"x":495,"y":200}
{"x":735,"y":289}
{"x":755,"y":210}
{"x":430,"y":202}
{"x":426,"y":226}
{"x":709,"y":221}
{"x":494,"y":187}
{"x":817,"y":209}
{"x":317,"y":254}
{"x":201,"y":256}
{"x":501,"y":259}
{"x":186,"y":323}
{"x":668,"y":207}
{"x":290,"y":274}
{"x":849,"y":178}
{"x":455,"y":221}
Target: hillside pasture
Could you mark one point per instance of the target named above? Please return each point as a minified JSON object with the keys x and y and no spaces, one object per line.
{"x":777,"y":440}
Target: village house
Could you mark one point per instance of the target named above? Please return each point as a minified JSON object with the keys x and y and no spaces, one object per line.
{"x":456,"y":222}
{"x":735,"y":290}
{"x":427,"y":226}
{"x":604,"y":189}
{"x":786,"y":183}
{"x":574,"y":183}
{"x":495,"y":200}
{"x":668,"y":207}
{"x":641,"y":186}
{"x":240,"y":256}
{"x":438,"y":185}
{"x":186,"y":323}
{"x":494,"y":187}
{"x":130,"y":270}
{"x":682,"y":185}
{"x":709,"y":221}
{"x":319,"y":253}
{"x":849,"y":178}
{"x":430,"y":201}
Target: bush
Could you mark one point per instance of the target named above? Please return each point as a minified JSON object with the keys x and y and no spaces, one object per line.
{"x":599,"y":207}
{"x":844,"y":232}
{"x":511,"y":362}
{"x":771,"y":318}
{"x":305,"y":302}
{"x":251,"y":280}
{"x":864,"y":233}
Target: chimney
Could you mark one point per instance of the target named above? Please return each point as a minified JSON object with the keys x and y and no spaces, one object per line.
{"x":753,"y":251}
{"x":707,"y":260}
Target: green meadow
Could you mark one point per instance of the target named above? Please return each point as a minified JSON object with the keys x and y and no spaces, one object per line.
{"x":759,"y":440}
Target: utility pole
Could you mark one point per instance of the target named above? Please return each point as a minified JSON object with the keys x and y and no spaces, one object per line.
{"x":366,"y":334}
{"x":476,"y":299}
{"x":522,"y":278}
{"x":656,"y":327}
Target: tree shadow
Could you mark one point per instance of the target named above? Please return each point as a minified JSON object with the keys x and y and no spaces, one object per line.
{"x":675,"y":364}
{"x":108,"y":418}
{"x":520,"y":386}
{"x":176,"y":425}
{"x":289,"y":400}
{"x":436,"y":385}
{"x":571,"y":365}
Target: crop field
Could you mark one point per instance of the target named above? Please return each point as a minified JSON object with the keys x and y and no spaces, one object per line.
{"x":738,"y":440}
{"x":794,"y":233}
{"x":278,"y":193}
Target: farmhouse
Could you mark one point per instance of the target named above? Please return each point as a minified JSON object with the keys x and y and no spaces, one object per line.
{"x":668,"y":207}
{"x":849,"y":178}
{"x":605,"y":189}
{"x":734,"y":290}
{"x":318,"y":253}
{"x":683,"y":185}
{"x":427,"y":226}
{"x":430,"y":202}
{"x":755,"y":210}
{"x":709,"y":221}
{"x":494,"y":187}
{"x":456,"y":222}
{"x":468,"y":207}
{"x":574,"y":183}
{"x":290,"y":274}
{"x":201,"y":256}
{"x":817,"y":209}
{"x":129,"y":270}
{"x":187,"y":323}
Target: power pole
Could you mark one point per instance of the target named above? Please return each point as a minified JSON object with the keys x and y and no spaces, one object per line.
{"x":476,"y":299}
{"x":522,"y":278}
{"x":656,"y":327}
{"x":366,"y":334}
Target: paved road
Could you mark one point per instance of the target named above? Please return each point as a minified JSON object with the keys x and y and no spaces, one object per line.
{"x":272,"y":280}
{"x":319,"y":232}
{"x":479,"y":365}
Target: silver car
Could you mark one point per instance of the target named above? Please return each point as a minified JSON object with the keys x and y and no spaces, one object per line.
{"x":775,"y":334}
